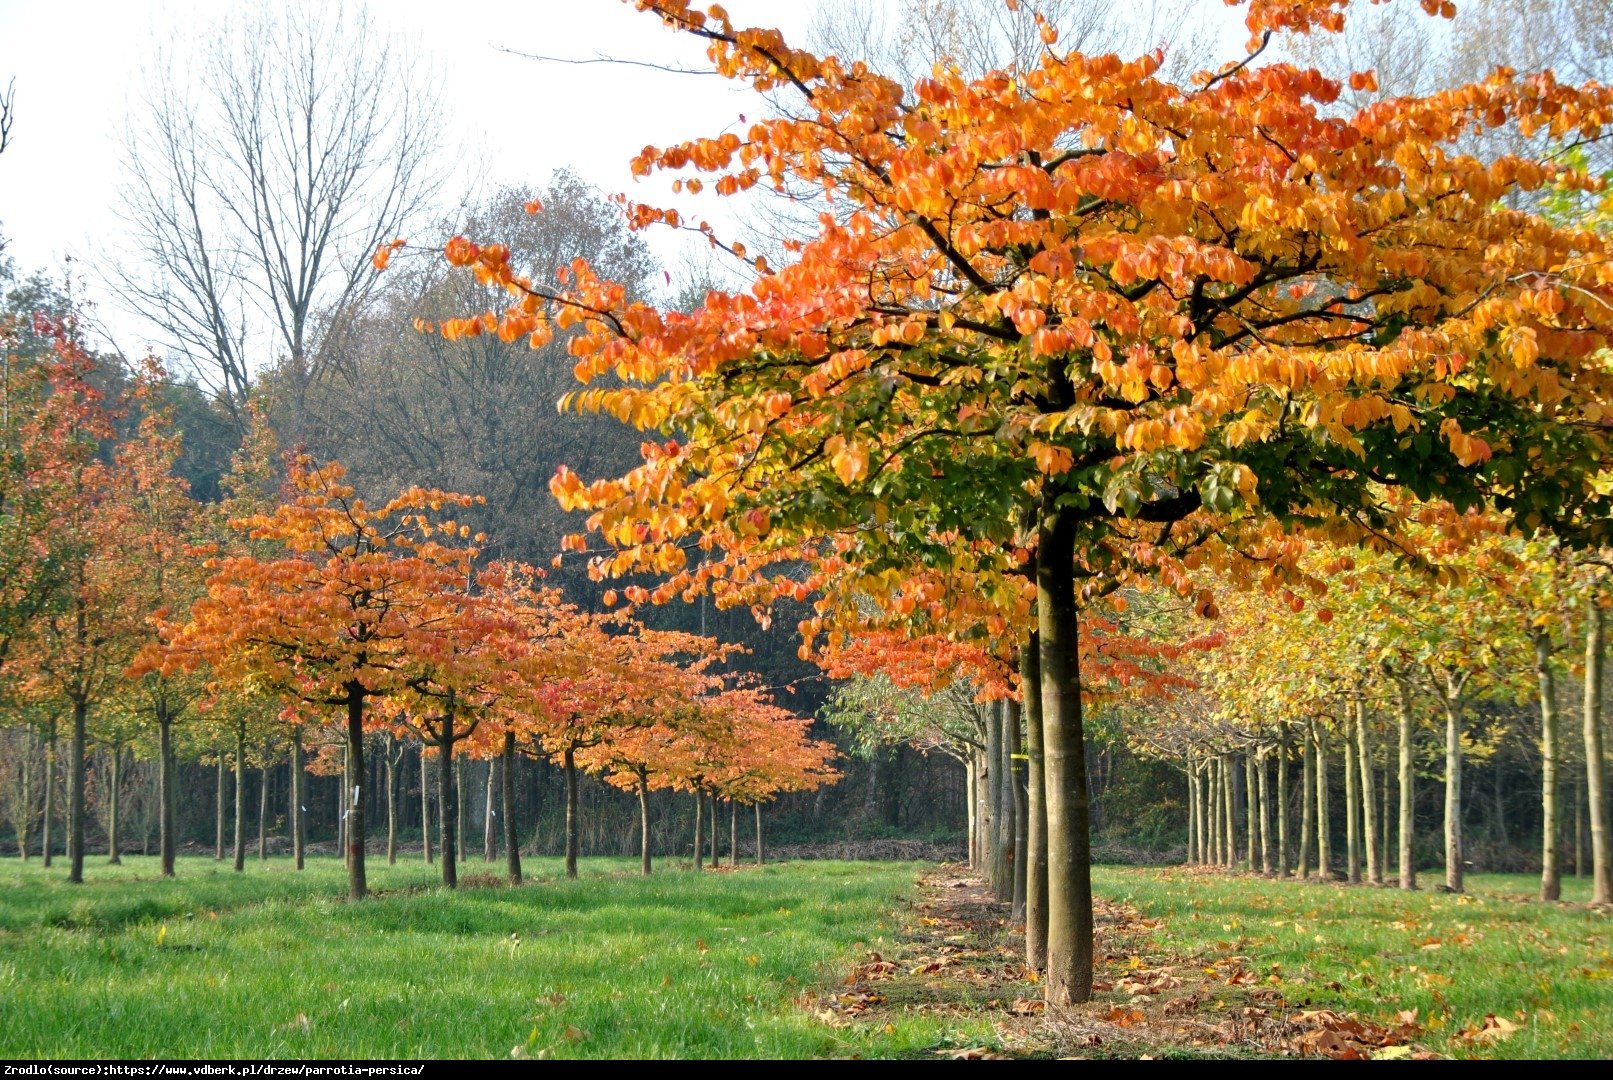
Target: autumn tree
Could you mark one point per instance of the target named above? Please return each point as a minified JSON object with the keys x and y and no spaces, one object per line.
{"x":1170,"y":322}
{"x":335,"y":618}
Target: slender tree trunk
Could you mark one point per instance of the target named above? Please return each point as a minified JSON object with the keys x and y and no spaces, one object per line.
{"x":699,"y":837}
{"x":716,"y":853}
{"x":342,"y":789}
{"x":490,"y":816}
{"x":512,"y":842}
{"x":996,"y":863}
{"x":733,"y":833}
{"x":391,"y":802}
{"x":357,"y":886}
{"x":1069,"y":843}
{"x":1192,"y":812}
{"x":50,"y":796}
{"x":1307,"y":803}
{"x":572,"y":825}
{"x":263,"y":806}
{"x":1408,"y":792}
{"x":448,"y":805}
{"x":425,"y":810}
{"x":1283,"y":869}
{"x":240,"y":797}
{"x":1265,"y":814}
{"x":761,"y":856}
{"x":1551,"y":884}
{"x":75,"y":794}
{"x":167,"y":842}
{"x":1229,"y":809}
{"x":1007,"y":871}
{"x":1250,"y":818}
{"x":1030,"y":680}
{"x":1373,"y":857}
{"x":1595,"y":768}
{"x":25,"y":815}
{"x":299,"y":828}
{"x":1352,"y":804}
{"x":113,"y":858}
{"x":1453,"y":795}
{"x":1579,"y":823}
{"x":459,"y":807}
{"x":644,"y":822}
{"x":1383,"y":819}
{"x":1017,"y":779}
{"x":1324,"y":823}
{"x":969,"y":800}
{"x":1212,"y":781}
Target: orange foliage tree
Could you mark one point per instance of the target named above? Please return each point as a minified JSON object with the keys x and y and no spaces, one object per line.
{"x":343,"y":612}
{"x":1165,"y":323}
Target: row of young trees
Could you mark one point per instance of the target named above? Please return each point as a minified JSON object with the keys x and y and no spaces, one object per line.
{"x":1080,"y":327}
{"x":133,"y":609}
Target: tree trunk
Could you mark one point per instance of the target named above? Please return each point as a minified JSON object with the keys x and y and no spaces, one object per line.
{"x":1579,"y":823}
{"x":733,"y":833}
{"x":299,"y":828}
{"x":240,"y":797}
{"x":167,"y":842}
{"x":512,"y":842}
{"x":973,"y":824}
{"x":1069,"y":844}
{"x":1030,"y":675}
{"x":391,"y":802}
{"x":1324,"y":824}
{"x":25,"y":816}
{"x":1307,"y":803}
{"x":1265,"y":813}
{"x":75,"y":794}
{"x":50,"y":796}
{"x":1408,"y":792}
{"x":1373,"y":857}
{"x":1251,"y":840}
{"x":1283,"y":869}
{"x":357,"y":887}
{"x":760,"y":854}
{"x":1595,"y":770}
{"x":716,"y":854}
{"x":644,"y":823}
{"x":1017,"y":778}
{"x":1229,"y":809}
{"x":448,"y":805}
{"x":1212,"y":784}
{"x":996,"y":863}
{"x":1352,"y":804}
{"x":342,"y":789}
{"x":425,"y":810}
{"x":113,"y":858}
{"x":1192,"y":811}
{"x":263,"y":806}
{"x":1453,"y":795}
{"x":699,"y":837}
{"x":569,"y":759}
{"x":490,"y":816}
{"x":459,"y":806}
{"x":1551,"y":884}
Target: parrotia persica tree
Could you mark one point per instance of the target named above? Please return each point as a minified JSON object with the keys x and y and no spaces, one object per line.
{"x":343,"y":610}
{"x":1168,"y":322}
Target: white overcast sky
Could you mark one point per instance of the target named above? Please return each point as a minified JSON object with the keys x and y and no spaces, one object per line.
{"x":77,"y":65}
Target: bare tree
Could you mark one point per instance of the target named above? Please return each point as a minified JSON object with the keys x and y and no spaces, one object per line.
{"x":261,"y":179}
{"x":8,"y":114}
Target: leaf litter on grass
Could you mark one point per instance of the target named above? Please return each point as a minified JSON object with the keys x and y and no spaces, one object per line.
{"x":956,"y":955}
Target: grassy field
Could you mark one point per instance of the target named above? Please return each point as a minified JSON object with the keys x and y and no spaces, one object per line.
{"x":273,"y":963}
{"x":1547,"y":969}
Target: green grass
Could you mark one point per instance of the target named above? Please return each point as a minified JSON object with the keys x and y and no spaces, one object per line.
{"x":275,"y":963}
{"x":1546,"y":968}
